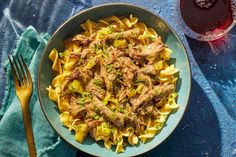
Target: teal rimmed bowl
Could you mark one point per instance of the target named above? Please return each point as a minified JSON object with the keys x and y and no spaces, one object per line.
{"x":72,"y":27}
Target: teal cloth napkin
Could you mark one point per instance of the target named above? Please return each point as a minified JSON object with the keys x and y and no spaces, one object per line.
{"x":12,"y":136}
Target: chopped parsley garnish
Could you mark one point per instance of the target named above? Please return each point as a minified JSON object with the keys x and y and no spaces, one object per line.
{"x":118,"y":78}
{"x":132,"y":33}
{"x":125,"y":100}
{"x":96,"y":109}
{"x":80,"y":60}
{"x":63,"y":54}
{"x":86,"y":97}
{"x":81,"y":101}
{"x":139,"y":80}
{"x":104,"y":47}
{"x":151,"y":38}
{"x":98,"y":82}
{"x":119,"y":35}
{"x":96,"y":47}
{"x":122,"y":110}
{"x":116,"y":88}
{"x":113,"y":116}
{"x":111,"y":28}
{"x":96,"y":117}
{"x":109,"y":67}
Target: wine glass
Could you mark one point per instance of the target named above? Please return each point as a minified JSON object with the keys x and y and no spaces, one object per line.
{"x":206,"y":20}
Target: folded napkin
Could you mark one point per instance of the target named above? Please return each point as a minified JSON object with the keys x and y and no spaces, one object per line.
{"x":12,"y":136}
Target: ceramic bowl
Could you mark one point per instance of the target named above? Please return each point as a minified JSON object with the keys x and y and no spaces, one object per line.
{"x":72,"y":27}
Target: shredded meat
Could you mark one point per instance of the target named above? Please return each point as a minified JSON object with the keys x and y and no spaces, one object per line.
{"x":76,"y":110}
{"x":75,"y":74}
{"x":83,"y":74}
{"x":95,"y":87}
{"x":135,"y":54}
{"x":127,"y":62}
{"x":145,"y":78}
{"x":122,"y":94}
{"x":89,"y":106}
{"x":92,"y":132}
{"x":132,"y":120}
{"x":149,"y":70}
{"x":81,"y":113}
{"x":104,"y":74}
{"x":159,"y":91}
{"x":65,"y":84}
{"x":152,"y":110}
{"x":131,"y":33}
{"x":127,"y":76}
{"x":92,"y":123}
{"x":81,"y":39}
{"x":116,"y":118}
{"x":113,"y":54}
{"x":148,"y":109}
{"x":86,"y":51}
{"x":126,"y":34}
{"x":129,"y":70}
{"x":151,"y":51}
{"x":75,"y":55}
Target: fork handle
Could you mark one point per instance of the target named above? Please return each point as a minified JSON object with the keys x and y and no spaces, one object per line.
{"x":28,"y":128}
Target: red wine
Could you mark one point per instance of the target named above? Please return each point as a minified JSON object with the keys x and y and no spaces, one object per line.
{"x":203,"y":19}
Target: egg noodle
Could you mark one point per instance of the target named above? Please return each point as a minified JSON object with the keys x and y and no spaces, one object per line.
{"x":113,"y":82}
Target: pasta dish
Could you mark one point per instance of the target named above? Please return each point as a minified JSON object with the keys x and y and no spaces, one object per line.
{"x":114,"y":82}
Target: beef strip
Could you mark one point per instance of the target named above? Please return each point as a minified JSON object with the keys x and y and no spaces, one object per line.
{"x":149,"y":70}
{"x":78,"y":73}
{"x":75,"y":74}
{"x":74,"y":55}
{"x":116,"y":118}
{"x":145,"y":78}
{"x":135,"y":54}
{"x":148,"y":109}
{"x":158,"y":91}
{"x":132,"y":33}
{"x":151,"y":51}
{"x":104,"y":74}
{"x":122,"y":93}
{"x":92,"y":132}
{"x":96,"y":89}
{"x":86,"y":51}
{"x":113,"y":54}
{"x":92,"y":123}
{"x":81,"y":113}
{"x":76,"y":110}
{"x":129,"y":70}
{"x":131,"y":119}
{"x":82,"y":39}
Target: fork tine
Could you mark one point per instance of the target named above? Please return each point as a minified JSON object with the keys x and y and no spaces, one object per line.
{"x":14,"y":73}
{"x":22,"y":70}
{"x":18,"y":71}
{"x":27,"y":70}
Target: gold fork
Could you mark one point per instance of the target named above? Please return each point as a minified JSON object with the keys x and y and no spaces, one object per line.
{"x":24,"y":87}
